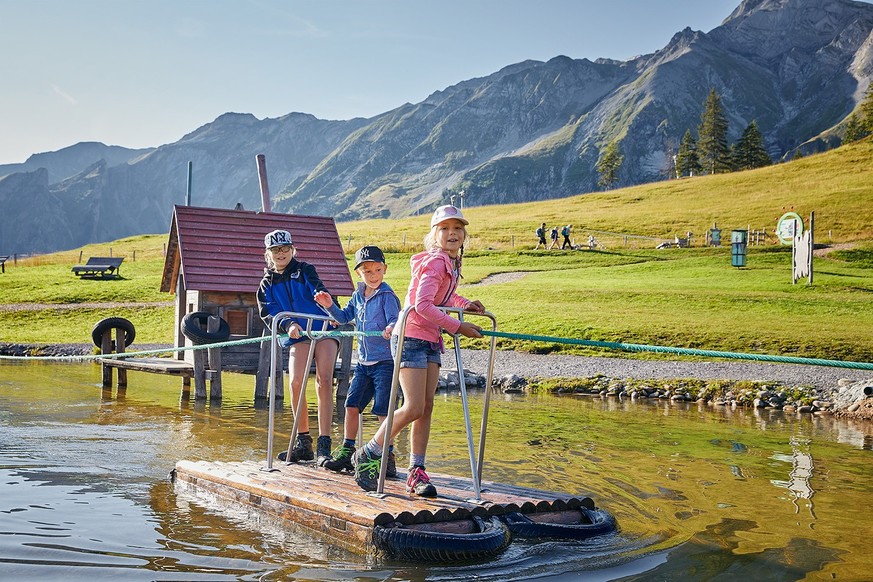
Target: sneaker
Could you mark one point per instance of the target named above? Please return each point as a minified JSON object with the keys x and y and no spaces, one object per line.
{"x":302,"y":450}
{"x":419,"y":483}
{"x":391,"y":470}
{"x":322,"y":449}
{"x":342,"y":459}
{"x":366,"y":469}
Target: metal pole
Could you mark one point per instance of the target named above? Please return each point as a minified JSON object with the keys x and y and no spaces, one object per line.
{"x":272,"y":382}
{"x":392,"y":398}
{"x":474,"y":471}
{"x":489,"y":376}
{"x":261,"y":162}
{"x":188,"y":190}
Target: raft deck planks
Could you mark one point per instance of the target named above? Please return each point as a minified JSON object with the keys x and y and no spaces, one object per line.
{"x":332,"y":505}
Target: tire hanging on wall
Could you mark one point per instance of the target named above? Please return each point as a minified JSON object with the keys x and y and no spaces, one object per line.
{"x":425,"y":542}
{"x":193,"y":327}
{"x":113,"y":323}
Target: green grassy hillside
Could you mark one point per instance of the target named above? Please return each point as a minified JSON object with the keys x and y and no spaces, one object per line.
{"x":627,"y":291}
{"x":837,"y":185}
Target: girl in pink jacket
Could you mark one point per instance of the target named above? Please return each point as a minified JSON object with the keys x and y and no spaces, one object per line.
{"x":435,"y":274}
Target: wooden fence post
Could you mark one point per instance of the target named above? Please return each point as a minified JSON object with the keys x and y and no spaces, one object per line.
{"x":212,"y":326}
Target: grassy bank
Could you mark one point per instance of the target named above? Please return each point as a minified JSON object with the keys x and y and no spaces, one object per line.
{"x":676,"y":297}
{"x":626,"y":292}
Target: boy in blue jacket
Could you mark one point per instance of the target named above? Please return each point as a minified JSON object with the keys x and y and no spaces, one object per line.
{"x":373,"y":307}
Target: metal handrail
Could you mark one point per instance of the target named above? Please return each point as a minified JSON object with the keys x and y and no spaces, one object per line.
{"x":282,"y":316}
{"x":475,"y":462}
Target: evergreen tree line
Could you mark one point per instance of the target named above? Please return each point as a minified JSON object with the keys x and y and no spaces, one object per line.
{"x":860,"y":124}
{"x":710,"y":153}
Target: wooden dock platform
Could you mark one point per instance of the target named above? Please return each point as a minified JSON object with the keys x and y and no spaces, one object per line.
{"x":154,"y":365}
{"x":332,"y":506}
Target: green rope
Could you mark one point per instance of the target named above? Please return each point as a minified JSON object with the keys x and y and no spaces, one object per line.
{"x":517,"y":336}
{"x":683,"y":351}
{"x":85,"y":358}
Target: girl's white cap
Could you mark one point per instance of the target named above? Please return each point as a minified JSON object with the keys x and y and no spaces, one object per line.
{"x":277,"y":238}
{"x":447,"y":213}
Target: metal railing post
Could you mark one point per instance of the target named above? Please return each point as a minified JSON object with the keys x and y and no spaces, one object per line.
{"x":272,"y":383}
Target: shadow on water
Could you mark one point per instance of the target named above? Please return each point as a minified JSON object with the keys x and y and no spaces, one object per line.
{"x":699,"y":493}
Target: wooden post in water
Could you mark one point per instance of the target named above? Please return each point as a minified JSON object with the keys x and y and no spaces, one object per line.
{"x":212,"y":325}
{"x":120,"y":341}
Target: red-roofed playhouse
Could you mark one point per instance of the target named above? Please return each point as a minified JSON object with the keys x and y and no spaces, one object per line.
{"x":215,"y":262}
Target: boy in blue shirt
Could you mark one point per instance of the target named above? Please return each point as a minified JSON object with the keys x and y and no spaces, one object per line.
{"x":374,"y":307}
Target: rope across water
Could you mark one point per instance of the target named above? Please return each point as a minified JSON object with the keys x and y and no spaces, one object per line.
{"x":516,"y":336}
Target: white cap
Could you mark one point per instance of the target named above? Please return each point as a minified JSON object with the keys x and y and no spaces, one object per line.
{"x":446,"y":213}
{"x":277,"y":238}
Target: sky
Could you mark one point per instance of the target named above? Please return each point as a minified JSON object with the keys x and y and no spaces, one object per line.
{"x":145,"y":73}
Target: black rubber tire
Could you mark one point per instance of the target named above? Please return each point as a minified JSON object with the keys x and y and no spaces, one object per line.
{"x":113,"y":323}
{"x":601,"y":522}
{"x":193,"y":327}
{"x":395,"y":541}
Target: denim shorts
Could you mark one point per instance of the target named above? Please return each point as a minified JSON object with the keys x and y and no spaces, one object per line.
{"x":369,"y":381}
{"x":417,"y":353}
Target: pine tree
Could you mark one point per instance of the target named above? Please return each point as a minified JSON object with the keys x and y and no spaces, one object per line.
{"x":867,"y":111}
{"x":687,"y":162}
{"x":854,"y":129}
{"x":712,"y":146}
{"x":608,"y":165}
{"x":749,"y":151}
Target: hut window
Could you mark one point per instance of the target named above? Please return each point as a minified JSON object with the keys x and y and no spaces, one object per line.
{"x":238,"y":320}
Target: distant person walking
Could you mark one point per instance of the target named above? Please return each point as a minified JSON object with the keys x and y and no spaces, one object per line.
{"x":554,"y":236}
{"x":541,"y":236}
{"x":565,"y":232}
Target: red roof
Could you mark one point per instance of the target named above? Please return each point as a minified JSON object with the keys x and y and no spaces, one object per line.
{"x":223,"y":250}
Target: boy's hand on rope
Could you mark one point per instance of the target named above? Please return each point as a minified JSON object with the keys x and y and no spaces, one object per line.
{"x":470,"y":329}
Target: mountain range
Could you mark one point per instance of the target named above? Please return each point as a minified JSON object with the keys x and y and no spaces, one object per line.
{"x":530,"y":131}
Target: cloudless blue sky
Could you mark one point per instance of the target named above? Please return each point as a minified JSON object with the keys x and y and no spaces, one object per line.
{"x":144,"y":73}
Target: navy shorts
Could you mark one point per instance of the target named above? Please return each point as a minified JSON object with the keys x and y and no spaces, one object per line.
{"x":417,"y":353}
{"x":369,"y":381}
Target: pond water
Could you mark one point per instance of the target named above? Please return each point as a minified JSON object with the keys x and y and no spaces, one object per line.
{"x":699,"y":493}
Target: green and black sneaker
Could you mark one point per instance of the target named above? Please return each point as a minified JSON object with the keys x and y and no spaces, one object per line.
{"x":366,"y":469}
{"x":342,"y":459}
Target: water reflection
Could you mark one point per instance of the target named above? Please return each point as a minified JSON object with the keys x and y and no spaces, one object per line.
{"x":699,"y":491}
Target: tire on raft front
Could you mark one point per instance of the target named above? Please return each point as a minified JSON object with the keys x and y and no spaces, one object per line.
{"x":432,"y":542}
{"x":193,"y":327}
{"x":112,"y":323}
{"x":576,"y":524}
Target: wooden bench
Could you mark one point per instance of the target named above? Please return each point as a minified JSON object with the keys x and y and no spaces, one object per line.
{"x":3,"y":259}
{"x":102,"y":267}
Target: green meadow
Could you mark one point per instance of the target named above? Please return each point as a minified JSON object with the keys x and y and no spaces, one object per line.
{"x":625,"y":291}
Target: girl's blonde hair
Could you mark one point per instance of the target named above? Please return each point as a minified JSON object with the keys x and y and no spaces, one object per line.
{"x":268,"y":257}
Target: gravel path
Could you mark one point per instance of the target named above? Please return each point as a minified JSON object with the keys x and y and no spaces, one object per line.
{"x":558,"y":366}
{"x":562,"y":366}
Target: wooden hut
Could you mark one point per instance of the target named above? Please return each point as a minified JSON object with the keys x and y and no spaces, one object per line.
{"x":215,"y":261}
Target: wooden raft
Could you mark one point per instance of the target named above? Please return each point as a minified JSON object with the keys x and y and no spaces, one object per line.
{"x":332,"y":506}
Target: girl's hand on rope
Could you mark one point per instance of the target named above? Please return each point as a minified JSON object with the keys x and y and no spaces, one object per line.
{"x":294,"y":331}
{"x":386,"y":333}
{"x":468,"y":329}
